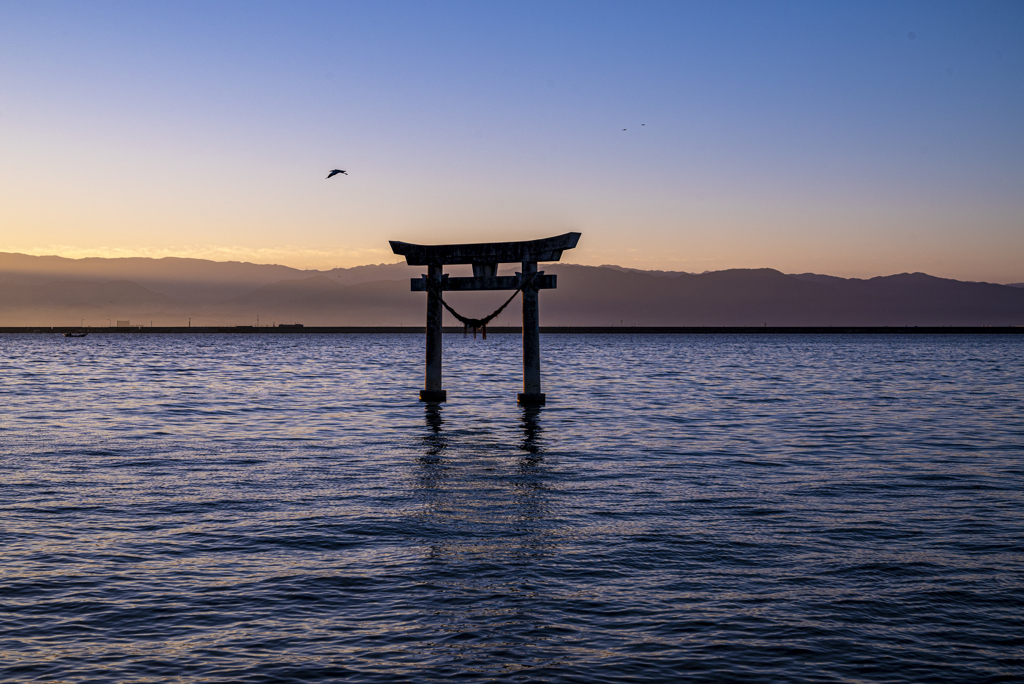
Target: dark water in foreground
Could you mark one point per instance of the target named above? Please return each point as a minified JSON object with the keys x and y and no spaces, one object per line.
{"x":758,"y":509}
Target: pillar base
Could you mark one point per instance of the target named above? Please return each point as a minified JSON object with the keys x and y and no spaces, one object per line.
{"x":532,"y":399}
{"x":433,"y":395}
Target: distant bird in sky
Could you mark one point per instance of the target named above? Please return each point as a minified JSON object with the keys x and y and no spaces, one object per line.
{"x":336,"y":172}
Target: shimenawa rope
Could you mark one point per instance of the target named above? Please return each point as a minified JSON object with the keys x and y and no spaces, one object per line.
{"x":478,"y":323}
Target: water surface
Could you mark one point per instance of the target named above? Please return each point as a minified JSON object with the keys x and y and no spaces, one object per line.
{"x":702,"y":508}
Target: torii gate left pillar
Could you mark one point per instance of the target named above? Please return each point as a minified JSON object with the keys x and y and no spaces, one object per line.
{"x":485,"y":258}
{"x":432,"y":377}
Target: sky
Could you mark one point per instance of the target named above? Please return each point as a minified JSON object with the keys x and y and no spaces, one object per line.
{"x":851,"y":138}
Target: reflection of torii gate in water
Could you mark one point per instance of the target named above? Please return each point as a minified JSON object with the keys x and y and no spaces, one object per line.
{"x":485,"y":258}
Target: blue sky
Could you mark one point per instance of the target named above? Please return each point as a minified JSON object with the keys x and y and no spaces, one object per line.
{"x":856,"y":139}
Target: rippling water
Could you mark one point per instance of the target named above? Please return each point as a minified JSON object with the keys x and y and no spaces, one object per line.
{"x":708,"y":508}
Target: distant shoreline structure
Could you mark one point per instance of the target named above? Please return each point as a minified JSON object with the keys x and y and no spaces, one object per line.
{"x":545,"y":330}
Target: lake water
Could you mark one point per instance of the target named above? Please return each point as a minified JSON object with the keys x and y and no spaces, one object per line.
{"x":692,"y":508}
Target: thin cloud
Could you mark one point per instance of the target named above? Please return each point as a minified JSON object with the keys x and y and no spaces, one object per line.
{"x":296,"y":257}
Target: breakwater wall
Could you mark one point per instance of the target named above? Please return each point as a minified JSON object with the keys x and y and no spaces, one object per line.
{"x":549,"y":330}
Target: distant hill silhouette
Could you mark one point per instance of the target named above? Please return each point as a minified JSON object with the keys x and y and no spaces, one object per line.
{"x":170,"y":291}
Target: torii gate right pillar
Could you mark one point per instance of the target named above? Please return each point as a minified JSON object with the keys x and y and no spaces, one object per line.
{"x":531,"y":394}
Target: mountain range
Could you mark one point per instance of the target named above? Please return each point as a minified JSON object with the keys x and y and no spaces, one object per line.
{"x":56,"y":291}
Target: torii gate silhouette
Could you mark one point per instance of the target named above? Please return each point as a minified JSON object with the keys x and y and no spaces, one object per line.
{"x":485,"y":258}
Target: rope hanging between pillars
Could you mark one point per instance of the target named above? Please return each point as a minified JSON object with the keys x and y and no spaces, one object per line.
{"x":478,"y":323}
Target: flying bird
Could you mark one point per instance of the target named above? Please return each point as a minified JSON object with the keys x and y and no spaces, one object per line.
{"x":335,"y":172}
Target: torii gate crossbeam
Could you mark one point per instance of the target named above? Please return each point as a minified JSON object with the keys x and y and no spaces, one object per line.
{"x":485,"y":258}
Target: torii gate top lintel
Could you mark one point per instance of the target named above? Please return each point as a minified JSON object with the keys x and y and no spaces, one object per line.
{"x":546,"y":249}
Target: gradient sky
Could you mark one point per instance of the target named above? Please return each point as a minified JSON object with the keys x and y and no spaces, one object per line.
{"x":856,"y":139}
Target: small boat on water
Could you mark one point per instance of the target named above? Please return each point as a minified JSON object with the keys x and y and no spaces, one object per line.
{"x":74,"y":334}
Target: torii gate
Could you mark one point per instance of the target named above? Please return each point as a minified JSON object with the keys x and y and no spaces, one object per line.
{"x":485,"y":258}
